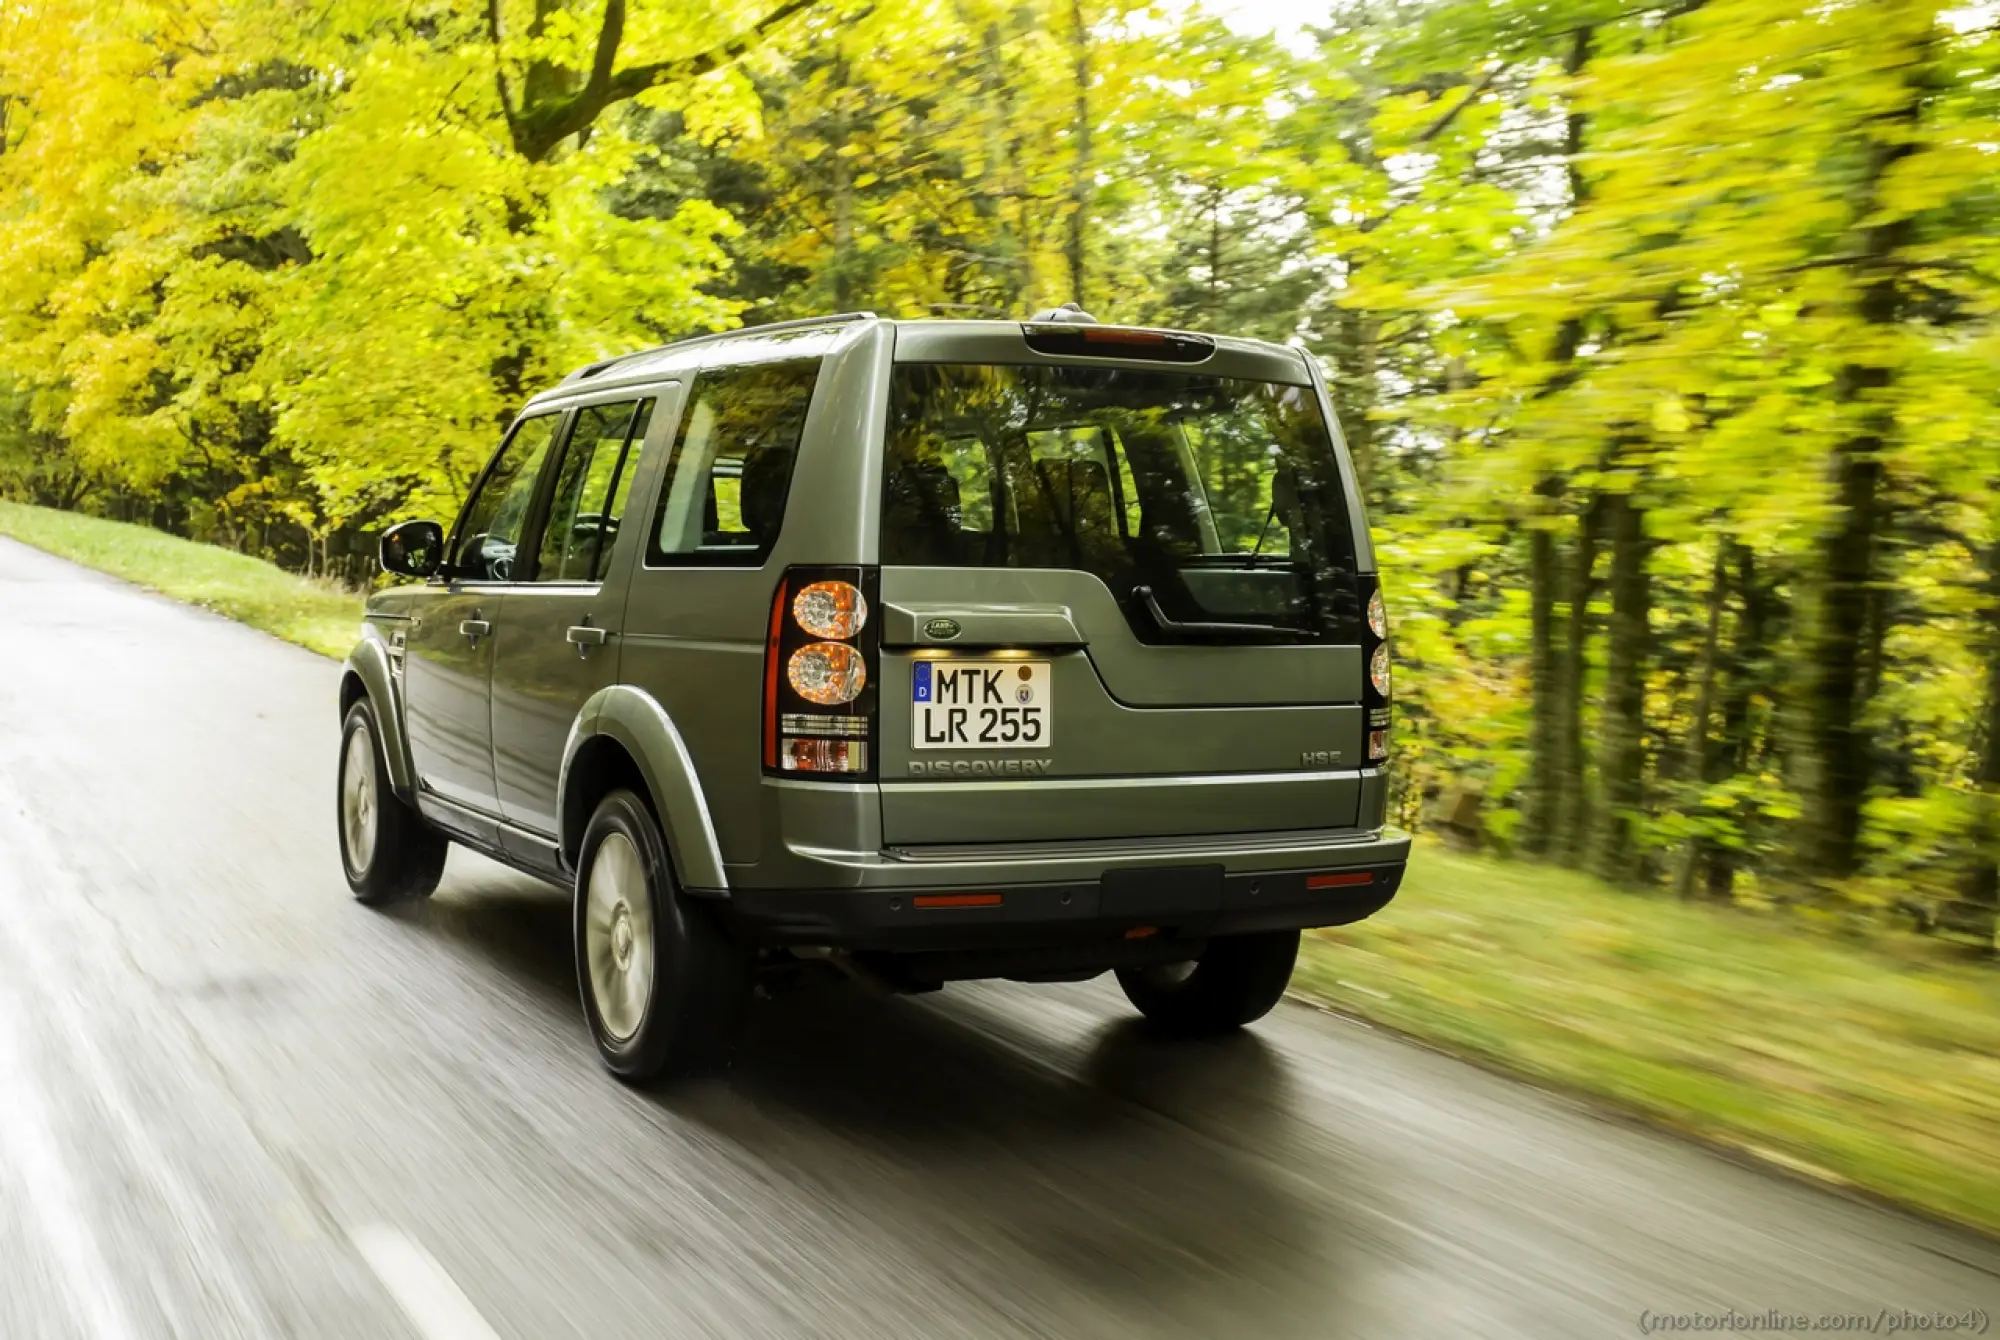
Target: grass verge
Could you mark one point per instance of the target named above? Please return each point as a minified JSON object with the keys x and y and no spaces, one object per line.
{"x":1876,"y":1064}
{"x":318,"y":615}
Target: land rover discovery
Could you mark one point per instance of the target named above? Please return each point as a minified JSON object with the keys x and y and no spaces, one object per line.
{"x":937,"y":649}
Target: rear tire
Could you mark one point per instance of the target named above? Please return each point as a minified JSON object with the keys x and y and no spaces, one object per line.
{"x":665,"y":985}
{"x":387,"y":851}
{"x":1238,"y":979}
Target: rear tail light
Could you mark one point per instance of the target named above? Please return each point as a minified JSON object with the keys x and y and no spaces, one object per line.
{"x":1376,"y":693}
{"x":799,"y":754}
{"x":830,"y":609}
{"x":827,"y":673}
{"x":819,"y":674}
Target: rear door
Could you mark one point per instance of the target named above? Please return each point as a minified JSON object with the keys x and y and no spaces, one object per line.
{"x":1123,"y":596}
{"x":555,"y":634}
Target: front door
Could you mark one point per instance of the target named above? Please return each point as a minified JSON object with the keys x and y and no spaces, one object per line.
{"x":555,"y":636}
{"x":448,"y":659}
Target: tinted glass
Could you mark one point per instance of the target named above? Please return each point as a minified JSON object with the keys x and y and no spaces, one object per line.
{"x":731,"y":465}
{"x":1212,"y":508}
{"x":590,"y":490}
{"x":491,"y":529}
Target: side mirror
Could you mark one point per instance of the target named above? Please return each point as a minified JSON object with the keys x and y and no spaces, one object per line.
{"x":413,"y":548}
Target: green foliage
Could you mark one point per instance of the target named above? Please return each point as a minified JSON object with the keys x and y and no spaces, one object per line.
{"x":272,"y":276}
{"x":1865,"y":1063}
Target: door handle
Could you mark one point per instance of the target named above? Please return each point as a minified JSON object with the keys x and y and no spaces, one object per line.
{"x":585,"y":637}
{"x":475,"y":628}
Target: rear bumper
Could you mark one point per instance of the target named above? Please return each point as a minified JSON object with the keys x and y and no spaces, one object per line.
{"x":1058,"y":895}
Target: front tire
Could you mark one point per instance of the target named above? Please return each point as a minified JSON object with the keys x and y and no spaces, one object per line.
{"x":1238,"y":979}
{"x":386,"y":849}
{"x":665,"y":985}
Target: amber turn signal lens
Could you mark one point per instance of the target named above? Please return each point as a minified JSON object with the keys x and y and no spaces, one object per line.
{"x":830,"y":609}
{"x":827,"y":673}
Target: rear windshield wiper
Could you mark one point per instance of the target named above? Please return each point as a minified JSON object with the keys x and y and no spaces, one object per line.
{"x":1244,"y":561}
{"x":1169,"y":624}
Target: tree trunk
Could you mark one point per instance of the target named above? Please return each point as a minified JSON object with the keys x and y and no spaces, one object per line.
{"x":1575,"y":122}
{"x":1622,"y":778}
{"x":999,"y":180}
{"x":1982,"y":882}
{"x":1354,"y":389}
{"x":1214,"y":253}
{"x":1573,"y":808}
{"x":1544,"y":788}
{"x":1836,"y":753}
{"x":1704,"y":754}
{"x":843,"y":199}
{"x":1743,"y":669}
{"x":1080,"y":165}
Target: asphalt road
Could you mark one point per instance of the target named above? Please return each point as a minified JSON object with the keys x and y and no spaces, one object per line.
{"x":234,"y":1103}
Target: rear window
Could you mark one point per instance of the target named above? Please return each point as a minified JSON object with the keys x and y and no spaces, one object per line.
{"x":1211,"y":507}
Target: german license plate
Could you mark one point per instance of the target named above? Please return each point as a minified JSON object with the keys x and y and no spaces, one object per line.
{"x":981,"y":705}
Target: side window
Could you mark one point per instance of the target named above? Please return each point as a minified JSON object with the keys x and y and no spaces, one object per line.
{"x":491,"y":529}
{"x":598,"y":461}
{"x":730,"y":469}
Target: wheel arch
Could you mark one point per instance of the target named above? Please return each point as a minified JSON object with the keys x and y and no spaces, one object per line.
{"x":366,"y":673}
{"x":624,"y":737}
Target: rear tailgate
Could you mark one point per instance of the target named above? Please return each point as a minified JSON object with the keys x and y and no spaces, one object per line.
{"x":1121,"y":598}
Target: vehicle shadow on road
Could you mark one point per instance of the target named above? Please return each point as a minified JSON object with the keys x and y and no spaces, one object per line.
{"x":1126,"y":1170}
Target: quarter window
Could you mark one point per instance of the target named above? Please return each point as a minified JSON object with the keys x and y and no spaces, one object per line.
{"x":591,"y":486}
{"x":730,"y":469}
{"x":490,"y":532}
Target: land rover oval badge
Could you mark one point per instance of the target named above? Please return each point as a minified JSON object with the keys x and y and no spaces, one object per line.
{"x":941,"y":630}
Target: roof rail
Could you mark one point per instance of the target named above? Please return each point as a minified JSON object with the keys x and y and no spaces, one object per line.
{"x":585,"y":373}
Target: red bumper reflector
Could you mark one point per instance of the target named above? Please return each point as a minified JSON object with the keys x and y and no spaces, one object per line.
{"x":956,"y":900}
{"x":1340,"y":881}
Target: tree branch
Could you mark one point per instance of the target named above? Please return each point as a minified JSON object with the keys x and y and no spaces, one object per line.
{"x":540,"y":129}
{"x":500,"y":71}
{"x":609,"y":34}
{"x":1472,"y":95}
{"x":631,"y":82}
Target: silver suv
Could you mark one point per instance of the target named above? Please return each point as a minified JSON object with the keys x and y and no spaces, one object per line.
{"x":942,"y":650}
